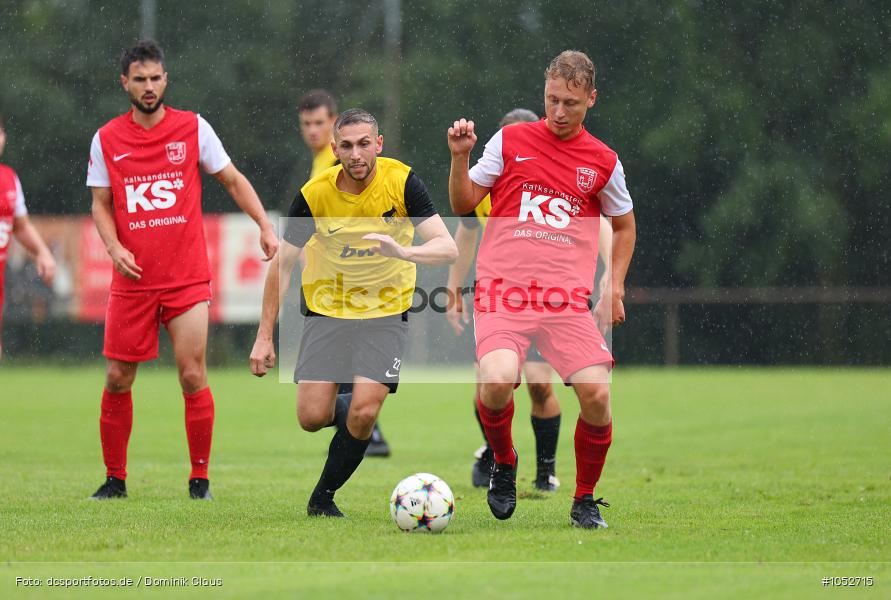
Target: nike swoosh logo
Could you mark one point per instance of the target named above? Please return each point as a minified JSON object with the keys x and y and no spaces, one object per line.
{"x":522,"y":158}
{"x":388,"y":374}
{"x":119,"y":157}
{"x":333,"y":231}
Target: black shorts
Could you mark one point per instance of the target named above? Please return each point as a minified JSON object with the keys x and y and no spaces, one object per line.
{"x":337,"y":350}
{"x":533,"y":355}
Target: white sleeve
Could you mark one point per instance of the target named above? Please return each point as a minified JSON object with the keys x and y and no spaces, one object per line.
{"x":20,"y":209}
{"x":615,"y":200}
{"x":211,"y":154}
{"x":489,"y":168}
{"x":97,"y":171}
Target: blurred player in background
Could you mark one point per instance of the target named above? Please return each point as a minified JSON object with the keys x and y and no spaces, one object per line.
{"x":14,"y":221}
{"x":145,"y":177}
{"x":357,"y":289}
{"x":549,"y":181}
{"x":317,"y":111}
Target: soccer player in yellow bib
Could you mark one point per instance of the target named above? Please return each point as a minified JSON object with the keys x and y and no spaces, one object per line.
{"x":317,"y":112}
{"x":545,"y":407}
{"x":357,"y":290}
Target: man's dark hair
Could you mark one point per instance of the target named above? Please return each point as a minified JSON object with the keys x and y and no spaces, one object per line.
{"x":314,"y":99}
{"x":143,"y":51}
{"x":354,"y":116}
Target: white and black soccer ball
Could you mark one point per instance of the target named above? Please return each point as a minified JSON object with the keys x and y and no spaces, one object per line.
{"x":422,"y":502}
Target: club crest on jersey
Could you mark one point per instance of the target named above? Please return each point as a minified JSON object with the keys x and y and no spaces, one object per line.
{"x":176,"y":152}
{"x":585,"y":178}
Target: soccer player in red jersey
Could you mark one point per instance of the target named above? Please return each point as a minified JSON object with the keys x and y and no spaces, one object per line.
{"x":14,"y":222}
{"x":550,"y":181}
{"x":545,"y":407}
{"x":146,"y":184}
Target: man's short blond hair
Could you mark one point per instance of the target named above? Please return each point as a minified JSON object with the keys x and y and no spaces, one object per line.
{"x":573,"y":66}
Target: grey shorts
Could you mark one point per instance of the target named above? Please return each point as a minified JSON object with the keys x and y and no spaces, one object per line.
{"x":337,"y":350}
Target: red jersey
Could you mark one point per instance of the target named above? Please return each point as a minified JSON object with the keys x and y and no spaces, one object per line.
{"x":547,"y":198}
{"x":156,"y":194}
{"x":12,"y":205}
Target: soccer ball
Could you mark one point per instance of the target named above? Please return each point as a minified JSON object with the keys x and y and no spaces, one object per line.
{"x":422,"y":502}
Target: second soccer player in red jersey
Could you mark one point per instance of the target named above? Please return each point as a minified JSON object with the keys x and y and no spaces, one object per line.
{"x":145,"y":177}
{"x":14,"y":221}
{"x":550,"y":181}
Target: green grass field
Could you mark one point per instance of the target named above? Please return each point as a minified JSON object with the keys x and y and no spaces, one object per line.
{"x":723,"y":483}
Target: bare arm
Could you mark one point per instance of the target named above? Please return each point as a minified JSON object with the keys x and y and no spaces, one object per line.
{"x":603,"y":312}
{"x":28,"y":237}
{"x":438,"y":248}
{"x":465,"y":240}
{"x":278,"y":278}
{"x":247,"y":200}
{"x":103,"y":217}
{"x":624,"y":236}
{"x":605,"y":250}
{"x":290,"y":256}
{"x":464,"y":194}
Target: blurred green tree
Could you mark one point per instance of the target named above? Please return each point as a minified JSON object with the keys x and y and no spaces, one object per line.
{"x":755,"y":136}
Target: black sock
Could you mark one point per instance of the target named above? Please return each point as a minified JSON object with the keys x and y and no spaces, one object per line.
{"x":341,"y":410}
{"x":344,"y":455}
{"x":546,"y":433}
{"x":377,"y":436}
{"x":476,"y":413}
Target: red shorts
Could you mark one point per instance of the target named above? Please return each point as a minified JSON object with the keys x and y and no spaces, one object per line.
{"x":569,"y":341}
{"x":133,"y":318}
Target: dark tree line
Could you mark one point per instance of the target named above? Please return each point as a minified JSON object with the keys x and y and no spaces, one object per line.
{"x":756,"y":136}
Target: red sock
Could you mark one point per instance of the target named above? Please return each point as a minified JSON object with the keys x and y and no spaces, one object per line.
{"x":199,"y":430}
{"x":497,"y":425}
{"x":591,"y":445}
{"x":115,"y":424}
